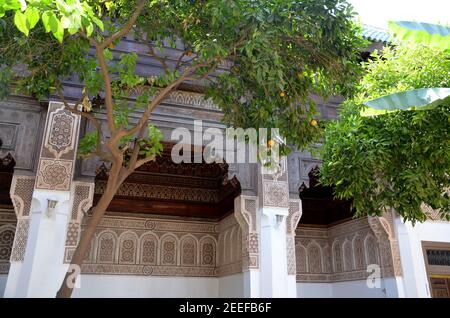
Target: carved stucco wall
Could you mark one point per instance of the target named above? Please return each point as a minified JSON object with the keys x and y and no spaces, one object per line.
{"x":229,"y":246}
{"x":7,"y":230}
{"x":300,"y":163}
{"x":342,"y":252}
{"x":295,"y":213}
{"x":152,"y":246}
{"x":160,"y":246}
{"x":21,"y":194}
{"x":246,"y":208}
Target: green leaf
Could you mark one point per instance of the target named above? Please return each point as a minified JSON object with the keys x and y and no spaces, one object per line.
{"x":20,"y":21}
{"x":32,"y":15}
{"x":57,"y":28}
{"x":65,"y":21}
{"x":46,"y":16}
{"x":108,"y":54}
{"x":89,"y":29}
{"x":418,"y":98}
{"x":12,"y":5}
{"x":98,"y":22}
{"x":434,"y":35}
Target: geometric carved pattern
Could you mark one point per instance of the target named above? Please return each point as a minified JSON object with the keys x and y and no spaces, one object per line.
{"x":21,"y":196}
{"x":338,"y":253}
{"x":106,"y":247}
{"x":54,"y":174}
{"x":275,"y":187}
{"x":383,"y":228}
{"x":61,"y":131}
{"x":128,"y":248}
{"x":149,"y":249}
{"x":230,"y":246}
{"x":82,"y":200}
{"x":152,"y":246}
{"x":208,"y":252}
{"x":191,"y":99}
{"x":245,"y":214}
{"x":188,"y":252}
{"x":275,"y":194}
{"x":169,"y":250}
{"x":314,"y":258}
{"x":56,"y":161}
{"x":6,"y":242}
{"x":7,"y":230}
{"x":72,"y":234}
{"x":295,"y":213}
{"x":20,"y":240}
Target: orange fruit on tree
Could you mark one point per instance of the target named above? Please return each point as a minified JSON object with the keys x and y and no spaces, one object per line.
{"x":313,"y":122}
{"x":282,"y":94}
{"x":270,"y":143}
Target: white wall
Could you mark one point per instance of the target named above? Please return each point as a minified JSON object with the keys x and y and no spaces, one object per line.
{"x":314,"y":290}
{"x":231,"y":286}
{"x":349,"y":289}
{"x":410,"y":240}
{"x":146,"y":287}
{"x":3,"y":279}
{"x":357,"y":289}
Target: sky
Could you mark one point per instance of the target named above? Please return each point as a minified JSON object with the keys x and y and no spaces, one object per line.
{"x":379,"y":12}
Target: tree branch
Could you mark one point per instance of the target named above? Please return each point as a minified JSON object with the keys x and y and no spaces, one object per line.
{"x":126,"y":28}
{"x":108,"y":90}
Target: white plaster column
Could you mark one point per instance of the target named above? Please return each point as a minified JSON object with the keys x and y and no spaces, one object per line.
{"x":273,"y":211}
{"x":415,"y":280}
{"x":44,"y":215}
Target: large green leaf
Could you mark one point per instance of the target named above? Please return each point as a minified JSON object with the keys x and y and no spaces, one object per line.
{"x":434,"y":35}
{"x":424,"y":98}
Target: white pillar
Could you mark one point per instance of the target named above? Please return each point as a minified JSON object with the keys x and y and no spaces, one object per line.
{"x":415,"y":282}
{"x":43,"y":212}
{"x":277,"y":231}
{"x":43,"y":266}
{"x":274,"y":280}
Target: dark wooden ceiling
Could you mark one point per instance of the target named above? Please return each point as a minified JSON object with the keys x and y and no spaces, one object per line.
{"x":166,"y":188}
{"x":319,"y":206}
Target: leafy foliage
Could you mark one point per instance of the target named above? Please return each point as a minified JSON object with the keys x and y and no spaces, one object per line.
{"x":259,"y":59}
{"x":401,"y":159}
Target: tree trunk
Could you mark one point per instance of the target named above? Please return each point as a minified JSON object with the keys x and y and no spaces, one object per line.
{"x":65,"y":291}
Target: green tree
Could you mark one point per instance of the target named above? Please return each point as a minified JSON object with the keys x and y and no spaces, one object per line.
{"x":400,"y":159}
{"x":278,"y":52}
